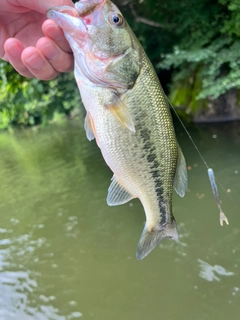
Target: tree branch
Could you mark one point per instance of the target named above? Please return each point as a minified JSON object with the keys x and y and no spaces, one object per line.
{"x":145,"y":20}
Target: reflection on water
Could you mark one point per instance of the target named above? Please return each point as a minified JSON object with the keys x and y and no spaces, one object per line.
{"x":212,"y":273}
{"x":64,"y":254}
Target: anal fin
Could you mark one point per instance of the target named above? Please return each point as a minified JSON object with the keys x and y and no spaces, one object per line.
{"x":117,"y":194}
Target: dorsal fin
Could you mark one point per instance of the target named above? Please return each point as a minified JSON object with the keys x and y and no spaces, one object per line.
{"x":117,"y":194}
{"x":121,"y":112}
{"x":180,"y":181}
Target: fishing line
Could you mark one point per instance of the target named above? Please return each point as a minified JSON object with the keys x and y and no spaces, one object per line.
{"x":189,"y":136}
{"x":194,"y":144}
{"x":210,"y":172}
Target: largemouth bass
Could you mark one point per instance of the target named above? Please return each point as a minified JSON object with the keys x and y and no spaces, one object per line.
{"x":127,"y":114}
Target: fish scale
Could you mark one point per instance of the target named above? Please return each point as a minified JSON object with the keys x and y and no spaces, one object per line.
{"x":128,"y":114}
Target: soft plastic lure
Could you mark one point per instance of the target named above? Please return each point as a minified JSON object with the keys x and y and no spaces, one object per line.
{"x":222,"y":216}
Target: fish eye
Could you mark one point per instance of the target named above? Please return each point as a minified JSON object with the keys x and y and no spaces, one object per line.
{"x":116,"y":19}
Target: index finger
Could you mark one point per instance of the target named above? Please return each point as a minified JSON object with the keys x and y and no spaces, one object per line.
{"x":54,"y":32}
{"x":3,"y":37}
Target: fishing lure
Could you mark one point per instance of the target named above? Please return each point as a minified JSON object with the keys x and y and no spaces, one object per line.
{"x":222,"y":216}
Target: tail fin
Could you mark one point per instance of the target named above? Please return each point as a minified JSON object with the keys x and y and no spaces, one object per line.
{"x":150,"y":239}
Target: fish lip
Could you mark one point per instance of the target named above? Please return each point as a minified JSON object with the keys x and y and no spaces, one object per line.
{"x":54,"y":11}
{"x":66,"y":17}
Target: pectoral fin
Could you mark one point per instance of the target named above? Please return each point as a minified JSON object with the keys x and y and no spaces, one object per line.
{"x":117,"y":194}
{"x":180,"y":181}
{"x":121,"y":112}
{"x":88,"y":127}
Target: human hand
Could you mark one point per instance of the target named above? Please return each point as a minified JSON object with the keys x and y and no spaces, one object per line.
{"x":33,"y":44}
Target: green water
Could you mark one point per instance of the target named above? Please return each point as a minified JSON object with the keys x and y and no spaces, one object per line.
{"x":64,"y":254}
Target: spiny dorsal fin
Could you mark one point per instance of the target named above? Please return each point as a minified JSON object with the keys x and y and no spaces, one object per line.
{"x":180,"y":181}
{"x":121,"y":112}
{"x":117,"y":194}
{"x":88,"y":127}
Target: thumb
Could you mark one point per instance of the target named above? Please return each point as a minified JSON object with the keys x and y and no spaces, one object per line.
{"x":42,"y":5}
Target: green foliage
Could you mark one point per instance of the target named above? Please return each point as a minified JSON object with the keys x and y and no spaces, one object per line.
{"x":209,"y":60}
{"x":31,"y":101}
{"x":231,"y":24}
{"x":218,"y":67}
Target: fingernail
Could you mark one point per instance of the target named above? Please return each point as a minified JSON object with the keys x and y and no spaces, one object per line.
{"x":49,"y":51}
{"x":35,"y":62}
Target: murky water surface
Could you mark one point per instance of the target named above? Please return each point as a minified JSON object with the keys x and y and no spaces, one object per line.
{"x":64,"y":254}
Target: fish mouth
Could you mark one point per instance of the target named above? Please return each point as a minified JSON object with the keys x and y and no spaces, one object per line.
{"x":67,"y":18}
{"x":75,"y":18}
